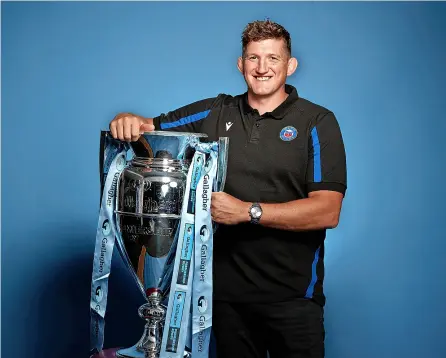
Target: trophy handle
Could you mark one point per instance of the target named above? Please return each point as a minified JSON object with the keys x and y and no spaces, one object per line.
{"x":223,"y":148}
{"x":142,"y":148}
{"x":220,"y":178}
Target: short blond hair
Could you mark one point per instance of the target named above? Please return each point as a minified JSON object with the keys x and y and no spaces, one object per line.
{"x":264,"y":30}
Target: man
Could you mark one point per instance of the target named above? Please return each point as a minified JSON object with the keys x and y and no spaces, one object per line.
{"x":285,"y":184}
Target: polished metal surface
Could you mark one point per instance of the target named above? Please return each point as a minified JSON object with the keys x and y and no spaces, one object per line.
{"x":150,"y":198}
{"x":149,"y":206}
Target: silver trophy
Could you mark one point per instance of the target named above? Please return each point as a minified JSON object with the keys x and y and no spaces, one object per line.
{"x":149,"y":201}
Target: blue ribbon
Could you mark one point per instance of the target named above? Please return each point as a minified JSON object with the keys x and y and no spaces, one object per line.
{"x":177,"y":321}
{"x":105,"y":241}
{"x":202,"y":282}
{"x":189,"y":310}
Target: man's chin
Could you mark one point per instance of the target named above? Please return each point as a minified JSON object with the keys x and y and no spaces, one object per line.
{"x":262,"y":92}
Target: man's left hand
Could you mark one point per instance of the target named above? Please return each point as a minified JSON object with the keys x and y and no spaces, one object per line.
{"x":225,"y":209}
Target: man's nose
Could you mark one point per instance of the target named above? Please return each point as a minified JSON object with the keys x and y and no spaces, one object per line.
{"x":262,"y":66}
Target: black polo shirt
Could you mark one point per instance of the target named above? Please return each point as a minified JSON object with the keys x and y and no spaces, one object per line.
{"x":274,"y":158}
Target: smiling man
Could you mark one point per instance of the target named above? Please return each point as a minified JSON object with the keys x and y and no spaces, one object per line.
{"x":285,"y":185}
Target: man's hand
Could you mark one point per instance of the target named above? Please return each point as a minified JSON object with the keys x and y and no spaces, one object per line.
{"x":129,"y":127}
{"x":225,"y":209}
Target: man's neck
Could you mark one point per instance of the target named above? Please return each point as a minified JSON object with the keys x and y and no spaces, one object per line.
{"x":265,"y":104}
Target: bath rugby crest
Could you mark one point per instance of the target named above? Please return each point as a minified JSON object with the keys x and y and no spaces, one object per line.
{"x":288,"y":133}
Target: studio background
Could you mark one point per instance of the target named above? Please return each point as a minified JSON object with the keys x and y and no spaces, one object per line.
{"x":68,"y":68}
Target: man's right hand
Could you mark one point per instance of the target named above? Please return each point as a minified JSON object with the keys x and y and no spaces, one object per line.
{"x":129,"y":127}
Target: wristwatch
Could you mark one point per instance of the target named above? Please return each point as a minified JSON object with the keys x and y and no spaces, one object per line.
{"x":255,"y":211}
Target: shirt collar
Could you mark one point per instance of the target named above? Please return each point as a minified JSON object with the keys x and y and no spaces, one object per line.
{"x":280,"y":111}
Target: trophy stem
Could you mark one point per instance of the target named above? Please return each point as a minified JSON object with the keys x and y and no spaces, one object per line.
{"x":150,"y":340}
{"x":154,"y":313}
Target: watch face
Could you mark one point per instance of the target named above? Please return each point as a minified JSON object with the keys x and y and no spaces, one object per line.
{"x":256,"y":212}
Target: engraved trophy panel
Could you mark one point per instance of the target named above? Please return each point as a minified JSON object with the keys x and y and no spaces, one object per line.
{"x":149,"y":206}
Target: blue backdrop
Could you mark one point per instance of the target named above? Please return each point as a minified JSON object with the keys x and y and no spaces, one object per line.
{"x":68,"y":68}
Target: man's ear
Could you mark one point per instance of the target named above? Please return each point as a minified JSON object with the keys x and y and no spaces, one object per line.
{"x":240,"y":64}
{"x":292,"y":65}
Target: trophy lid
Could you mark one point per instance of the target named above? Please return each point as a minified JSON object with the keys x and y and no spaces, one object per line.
{"x":150,"y":143}
{"x":175,"y":134}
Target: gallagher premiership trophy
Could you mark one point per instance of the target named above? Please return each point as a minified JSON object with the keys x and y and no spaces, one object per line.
{"x":155,"y":206}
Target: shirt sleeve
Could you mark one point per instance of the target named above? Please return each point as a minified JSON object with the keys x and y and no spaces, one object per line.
{"x":188,"y":118}
{"x":326,"y":168}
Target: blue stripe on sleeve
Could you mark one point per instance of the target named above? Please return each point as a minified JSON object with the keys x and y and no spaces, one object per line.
{"x":310,"y":289}
{"x":185,"y":120}
{"x":317,"y":170}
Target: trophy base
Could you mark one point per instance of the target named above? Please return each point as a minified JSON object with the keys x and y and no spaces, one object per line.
{"x":131,"y":352}
{"x":106,"y":353}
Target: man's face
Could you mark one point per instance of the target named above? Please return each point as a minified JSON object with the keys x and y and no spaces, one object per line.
{"x":266,"y":65}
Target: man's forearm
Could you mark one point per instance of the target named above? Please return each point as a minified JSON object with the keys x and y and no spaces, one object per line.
{"x":305,"y":214}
